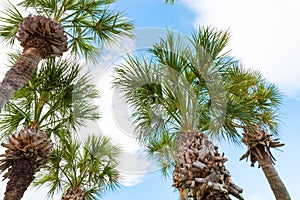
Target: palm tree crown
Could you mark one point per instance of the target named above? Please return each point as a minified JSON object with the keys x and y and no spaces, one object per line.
{"x":89,"y":167}
{"x":175,"y":95}
{"x":53,"y":103}
{"x":57,"y":97}
{"x":88,"y":23}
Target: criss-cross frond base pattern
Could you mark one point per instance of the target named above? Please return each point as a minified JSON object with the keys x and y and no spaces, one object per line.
{"x":200,"y":170}
{"x":43,"y":33}
{"x":26,"y":152}
{"x":258,"y":140}
{"x":74,"y":194}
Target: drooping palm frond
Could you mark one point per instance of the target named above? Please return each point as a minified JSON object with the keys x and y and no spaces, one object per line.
{"x":88,"y":24}
{"x":57,"y":96}
{"x":163,"y":149}
{"x":90,"y":166}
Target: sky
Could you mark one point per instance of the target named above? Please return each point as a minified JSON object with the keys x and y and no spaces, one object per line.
{"x":263,"y":37}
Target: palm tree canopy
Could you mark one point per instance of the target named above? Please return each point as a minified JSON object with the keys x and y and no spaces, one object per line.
{"x":88,"y":23}
{"x":194,"y":84}
{"x":90,"y":166}
{"x":57,"y":97}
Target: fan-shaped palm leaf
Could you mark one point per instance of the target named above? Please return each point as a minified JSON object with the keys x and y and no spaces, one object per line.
{"x":89,"y":166}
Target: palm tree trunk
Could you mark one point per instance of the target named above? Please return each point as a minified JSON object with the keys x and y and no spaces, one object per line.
{"x":273,"y":178}
{"x":259,"y":143}
{"x":74,"y":194}
{"x":19,"y":74}
{"x":22,"y":174}
{"x":201,"y":169}
{"x":183,"y":194}
{"x":26,"y":152}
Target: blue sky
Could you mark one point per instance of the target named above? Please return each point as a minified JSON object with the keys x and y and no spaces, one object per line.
{"x":262,"y":39}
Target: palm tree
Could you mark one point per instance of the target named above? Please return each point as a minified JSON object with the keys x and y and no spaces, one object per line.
{"x":79,"y":26}
{"x":264,"y":99}
{"x":190,"y":87}
{"x":172,"y":95}
{"x":81,"y":171}
{"x":55,"y":100}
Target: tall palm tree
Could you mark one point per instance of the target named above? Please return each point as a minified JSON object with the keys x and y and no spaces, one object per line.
{"x":55,"y":100}
{"x":192,"y":86}
{"x":81,"y":171}
{"x":81,"y":26}
{"x":172,"y":95}
{"x":264,"y":99}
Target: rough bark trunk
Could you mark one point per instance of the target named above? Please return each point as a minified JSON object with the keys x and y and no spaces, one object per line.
{"x":273,"y":178}
{"x":19,"y":74}
{"x":22,"y":174}
{"x":183,"y":195}
{"x":201,"y":170}
{"x":74,"y":194}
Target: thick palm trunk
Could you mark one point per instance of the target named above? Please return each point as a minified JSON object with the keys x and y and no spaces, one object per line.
{"x":26,"y":152}
{"x":200,"y":170}
{"x":183,"y":194}
{"x":19,"y":74}
{"x":273,"y":178}
{"x":21,"y":175}
{"x":74,"y":194}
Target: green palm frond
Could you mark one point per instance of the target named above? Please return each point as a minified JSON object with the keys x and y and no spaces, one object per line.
{"x":88,"y":24}
{"x":251,"y":99}
{"x":10,"y":20}
{"x":158,"y":96}
{"x":212,"y":41}
{"x":57,"y":96}
{"x":163,"y":150}
{"x":90,"y":166}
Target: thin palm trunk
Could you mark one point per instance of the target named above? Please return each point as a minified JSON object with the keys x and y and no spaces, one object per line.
{"x":259,"y":143}
{"x":19,"y":74}
{"x":273,"y":178}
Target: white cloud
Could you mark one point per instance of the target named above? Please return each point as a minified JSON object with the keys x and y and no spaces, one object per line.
{"x":265,"y":35}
